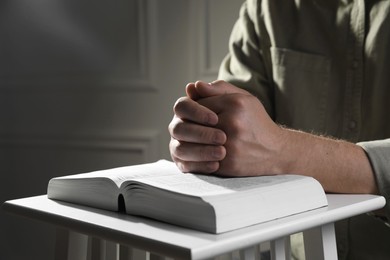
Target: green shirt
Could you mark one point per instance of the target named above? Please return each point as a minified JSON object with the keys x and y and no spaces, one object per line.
{"x":323,"y":66}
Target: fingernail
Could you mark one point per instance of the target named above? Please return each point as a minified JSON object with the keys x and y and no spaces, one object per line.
{"x":211,"y":119}
{"x":212,"y":167}
{"x":218,"y":153}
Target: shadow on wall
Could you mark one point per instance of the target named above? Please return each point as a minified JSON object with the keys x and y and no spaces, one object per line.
{"x":58,"y":113}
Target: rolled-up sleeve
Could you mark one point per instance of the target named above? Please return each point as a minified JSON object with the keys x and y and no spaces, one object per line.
{"x":378,"y":153}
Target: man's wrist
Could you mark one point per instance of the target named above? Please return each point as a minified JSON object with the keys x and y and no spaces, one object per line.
{"x":340,"y":166}
{"x":290,"y":151}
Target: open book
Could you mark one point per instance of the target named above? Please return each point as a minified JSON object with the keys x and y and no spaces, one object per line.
{"x":207,"y":203}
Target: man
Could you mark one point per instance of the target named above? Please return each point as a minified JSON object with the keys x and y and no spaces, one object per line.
{"x":305,"y":90}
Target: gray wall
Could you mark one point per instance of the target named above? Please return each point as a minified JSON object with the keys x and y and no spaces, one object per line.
{"x":90,"y":84}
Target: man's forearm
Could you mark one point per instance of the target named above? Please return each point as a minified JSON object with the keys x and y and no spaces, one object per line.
{"x":340,"y":166}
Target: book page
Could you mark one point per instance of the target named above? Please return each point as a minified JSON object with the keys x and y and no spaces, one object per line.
{"x":208,"y":185}
{"x":133,"y":172}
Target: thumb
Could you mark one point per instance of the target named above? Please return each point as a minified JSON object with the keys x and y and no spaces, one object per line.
{"x":192,"y":92}
{"x":216,"y":88}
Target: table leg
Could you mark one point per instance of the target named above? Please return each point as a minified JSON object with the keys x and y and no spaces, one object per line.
{"x":280,"y":249}
{"x":70,"y":245}
{"x":130,"y":253}
{"x":158,"y":257}
{"x":250,"y":253}
{"x":112,"y":250}
{"x":100,"y":249}
{"x":96,"y":249}
{"x":61,"y":244}
{"x":320,"y":243}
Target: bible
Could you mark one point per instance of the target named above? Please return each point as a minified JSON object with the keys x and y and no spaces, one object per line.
{"x":209,"y":203}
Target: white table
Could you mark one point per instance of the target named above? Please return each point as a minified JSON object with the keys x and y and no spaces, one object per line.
{"x":179,"y":243}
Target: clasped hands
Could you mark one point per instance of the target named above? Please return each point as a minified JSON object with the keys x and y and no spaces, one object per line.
{"x":221,"y":129}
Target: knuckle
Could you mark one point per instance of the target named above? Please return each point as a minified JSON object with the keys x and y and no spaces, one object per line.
{"x":235,"y":123}
{"x":235,"y":126}
{"x":238,"y":101}
{"x":177,"y":129}
{"x":182,"y":166}
{"x":180,"y":105}
{"x":171,"y":126}
{"x":172,"y":145}
{"x":180,"y":150}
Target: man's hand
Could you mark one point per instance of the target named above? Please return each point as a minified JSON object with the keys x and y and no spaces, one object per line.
{"x":221,"y":128}
{"x":196,"y":145}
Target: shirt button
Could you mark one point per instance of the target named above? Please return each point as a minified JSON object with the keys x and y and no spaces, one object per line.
{"x":352,"y":125}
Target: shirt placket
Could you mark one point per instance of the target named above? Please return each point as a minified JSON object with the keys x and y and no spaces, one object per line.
{"x":355,"y":81}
